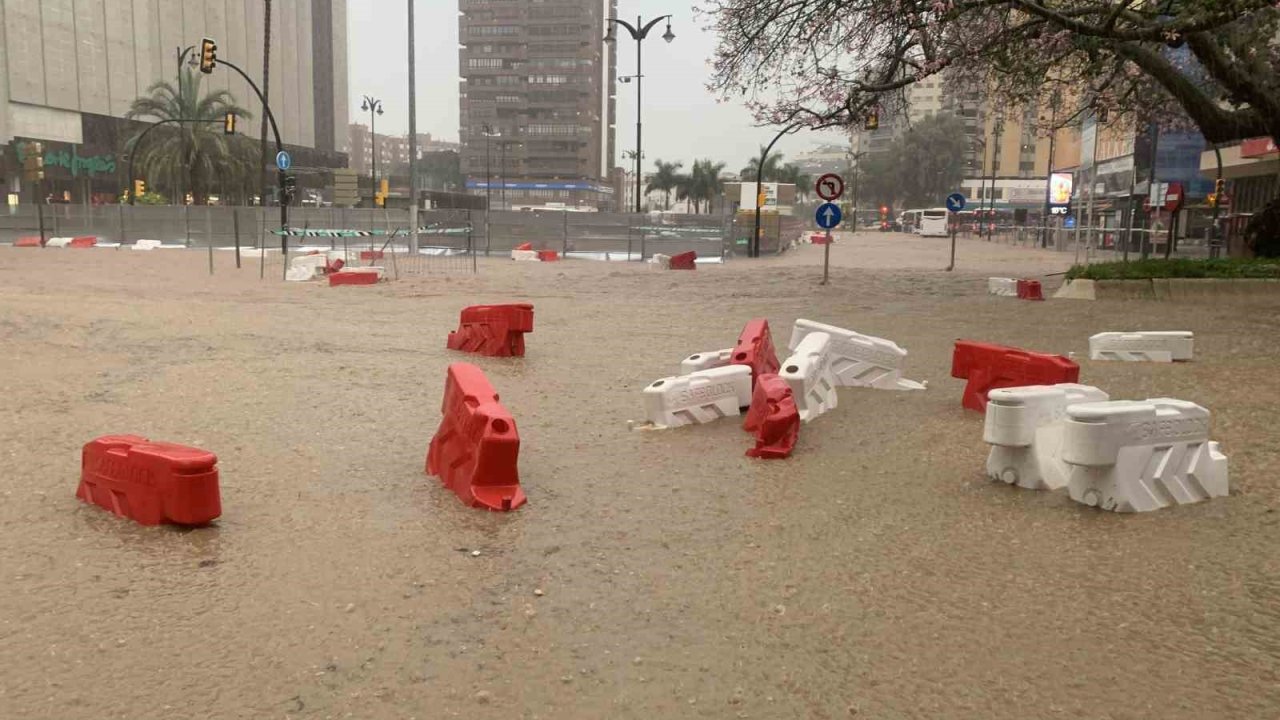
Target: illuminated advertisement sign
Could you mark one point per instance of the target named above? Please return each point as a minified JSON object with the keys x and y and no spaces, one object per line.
{"x":1059,"y":193}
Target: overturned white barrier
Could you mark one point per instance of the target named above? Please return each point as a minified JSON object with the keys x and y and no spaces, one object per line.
{"x":1004,"y":287}
{"x":1164,"y":346}
{"x":525,"y":255}
{"x":306,"y":267}
{"x":1137,"y":456}
{"x":662,"y":261}
{"x":1023,"y":425}
{"x":859,"y":360}
{"x":147,"y":244}
{"x":699,"y":397}
{"x":58,"y":242}
{"x":808,"y":373}
{"x":705,"y":360}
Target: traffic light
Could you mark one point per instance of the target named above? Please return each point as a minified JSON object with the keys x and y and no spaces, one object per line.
{"x":208,"y":55}
{"x":1101,"y":114}
{"x":1212,"y":199}
{"x":139,"y":188}
{"x":379,"y":200}
{"x":761,"y":200}
{"x":290,"y":186}
{"x":229,"y":124}
{"x":873,"y":119}
{"x":1219,"y":186}
{"x":384,"y":187}
{"x":884,"y":211}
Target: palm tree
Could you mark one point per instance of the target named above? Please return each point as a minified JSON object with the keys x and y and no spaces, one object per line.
{"x":710,"y":185}
{"x":196,"y":151}
{"x":665,"y":179}
{"x":772,"y":164}
{"x":791,"y":173}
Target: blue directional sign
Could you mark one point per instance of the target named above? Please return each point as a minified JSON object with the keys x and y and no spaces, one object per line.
{"x":955,"y":202}
{"x":283,"y":161}
{"x":828,"y":215}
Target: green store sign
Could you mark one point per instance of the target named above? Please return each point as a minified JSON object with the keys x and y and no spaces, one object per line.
{"x":70,"y":160}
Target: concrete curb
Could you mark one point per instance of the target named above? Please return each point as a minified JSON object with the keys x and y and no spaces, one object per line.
{"x":1170,"y":289}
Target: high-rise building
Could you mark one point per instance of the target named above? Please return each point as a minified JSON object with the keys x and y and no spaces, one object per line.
{"x":70,"y":70}
{"x":536,"y":115}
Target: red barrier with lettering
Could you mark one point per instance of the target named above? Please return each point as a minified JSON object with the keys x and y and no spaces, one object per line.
{"x":353,"y":277}
{"x":773,"y":417}
{"x":493,"y":330}
{"x":150,"y":482}
{"x":84,"y":241}
{"x":755,"y":349}
{"x":684,"y":261}
{"x":476,"y":449}
{"x":1030,"y":290}
{"x":989,"y":367}
{"x":28,"y":242}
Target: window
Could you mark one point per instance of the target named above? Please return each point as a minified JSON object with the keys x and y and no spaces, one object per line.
{"x":1027,"y":165}
{"x":548,"y":79}
{"x":492,"y":30}
{"x":485,"y":63}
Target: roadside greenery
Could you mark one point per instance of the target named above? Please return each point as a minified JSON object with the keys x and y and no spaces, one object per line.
{"x":1223,"y":268}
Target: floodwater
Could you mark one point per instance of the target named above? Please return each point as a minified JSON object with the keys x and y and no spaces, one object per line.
{"x":875,"y":574}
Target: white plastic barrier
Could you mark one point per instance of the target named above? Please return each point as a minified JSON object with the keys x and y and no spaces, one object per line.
{"x":58,"y":242}
{"x":1024,"y":428}
{"x":306,"y":267}
{"x":146,"y":244}
{"x":1004,"y":287}
{"x":1136,"y":456}
{"x":525,"y":255}
{"x":1165,"y":346}
{"x":859,"y":360}
{"x":662,"y":261}
{"x":699,"y":397}
{"x":808,"y":373}
{"x":705,"y":360}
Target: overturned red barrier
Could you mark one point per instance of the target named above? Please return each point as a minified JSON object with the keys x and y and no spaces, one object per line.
{"x":150,"y":482}
{"x":548,"y":255}
{"x":988,"y":367}
{"x":773,"y":417}
{"x":28,"y":242}
{"x":493,"y":330}
{"x":371,"y":254}
{"x":1030,"y":290}
{"x":354,"y":277}
{"x":84,"y":241}
{"x":684,"y":261}
{"x":524,"y":246}
{"x":755,"y":349}
{"x":475,"y":451}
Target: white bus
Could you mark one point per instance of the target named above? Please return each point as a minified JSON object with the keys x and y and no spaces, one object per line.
{"x":933,"y":223}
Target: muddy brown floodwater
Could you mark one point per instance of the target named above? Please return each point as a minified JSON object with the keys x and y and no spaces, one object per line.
{"x":877,"y":573}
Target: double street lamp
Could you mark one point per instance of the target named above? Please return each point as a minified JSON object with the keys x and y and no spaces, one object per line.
{"x":638,"y":32}
{"x":373,"y":106}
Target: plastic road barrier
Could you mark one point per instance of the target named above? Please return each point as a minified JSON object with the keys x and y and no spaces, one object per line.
{"x":524,"y":246}
{"x":371,"y":254}
{"x":683,"y":261}
{"x":58,"y":242}
{"x":987,"y":367}
{"x":1004,"y":287}
{"x":84,"y":241}
{"x":755,"y":348}
{"x":705,"y":360}
{"x":773,"y":417}
{"x":1024,"y":428}
{"x":662,"y":261}
{"x":1132,"y":456}
{"x":27,"y":242}
{"x":146,"y":244}
{"x":524,"y":255}
{"x":355,"y":276}
{"x":859,"y":360}
{"x":808,"y":373}
{"x":493,"y":330}
{"x":548,"y":255}
{"x":150,"y":482}
{"x":1030,"y":290}
{"x":476,"y":450}
{"x":1165,"y":346}
{"x":699,"y":397}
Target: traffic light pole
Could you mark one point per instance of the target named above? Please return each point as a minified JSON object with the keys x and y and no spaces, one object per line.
{"x":753,"y":247}
{"x":133,"y":153}
{"x":280,"y":174}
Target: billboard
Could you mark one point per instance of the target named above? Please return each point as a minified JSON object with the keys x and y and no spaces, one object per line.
{"x":1060,"y":185}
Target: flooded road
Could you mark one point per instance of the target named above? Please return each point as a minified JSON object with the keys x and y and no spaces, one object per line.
{"x":875,"y":574}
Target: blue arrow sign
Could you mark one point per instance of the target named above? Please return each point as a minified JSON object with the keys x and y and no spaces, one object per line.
{"x":955,"y":202}
{"x":828,"y":215}
{"x":283,"y":161}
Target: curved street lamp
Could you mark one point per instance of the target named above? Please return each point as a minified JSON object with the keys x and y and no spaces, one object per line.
{"x":638,"y":32}
{"x":373,"y":106}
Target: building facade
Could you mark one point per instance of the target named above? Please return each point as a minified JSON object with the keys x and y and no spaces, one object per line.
{"x":69,"y":70}
{"x":393,"y":150}
{"x":537,"y":108}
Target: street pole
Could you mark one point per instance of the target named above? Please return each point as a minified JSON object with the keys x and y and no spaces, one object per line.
{"x":413,"y":142}
{"x":639,"y":80}
{"x":1093,"y":184}
{"x":1048,"y":176}
{"x":1154,"y":129}
{"x":995,"y":159}
{"x":753,"y":247}
{"x":1215,"y":235}
{"x":502,"y":173}
{"x":488,"y":189}
{"x":639,"y":32}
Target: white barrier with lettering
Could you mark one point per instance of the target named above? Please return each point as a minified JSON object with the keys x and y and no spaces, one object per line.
{"x":1004,"y":287}
{"x":1023,"y":425}
{"x":525,"y":255}
{"x":859,"y":360}
{"x":808,"y":373}
{"x":1164,"y":346}
{"x":705,"y":360}
{"x":59,"y":242}
{"x":1137,"y":456}
{"x":699,"y":397}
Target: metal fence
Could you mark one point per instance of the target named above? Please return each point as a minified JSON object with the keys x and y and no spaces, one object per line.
{"x":1098,"y":243}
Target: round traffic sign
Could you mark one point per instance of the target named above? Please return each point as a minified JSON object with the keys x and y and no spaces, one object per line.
{"x":955,"y":202}
{"x":283,"y":161}
{"x":828,"y":215}
{"x":830,"y":186}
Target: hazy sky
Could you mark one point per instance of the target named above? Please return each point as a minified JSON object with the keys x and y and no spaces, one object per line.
{"x":681,"y":119}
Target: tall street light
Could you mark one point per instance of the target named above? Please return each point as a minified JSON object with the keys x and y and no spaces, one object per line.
{"x":373,"y":106}
{"x":487,"y":131}
{"x":639,"y":32}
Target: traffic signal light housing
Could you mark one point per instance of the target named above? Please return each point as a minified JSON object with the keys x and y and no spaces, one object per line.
{"x":289,"y":186}
{"x":208,"y":55}
{"x":229,"y":124}
{"x":139,"y":188}
{"x":873,"y":119}
{"x":1219,"y":186}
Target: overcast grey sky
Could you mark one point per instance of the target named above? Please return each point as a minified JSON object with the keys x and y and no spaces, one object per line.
{"x":681,"y":119}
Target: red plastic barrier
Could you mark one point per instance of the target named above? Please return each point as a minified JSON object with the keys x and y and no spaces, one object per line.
{"x":335,"y":266}
{"x":354,"y":277}
{"x":28,"y":242}
{"x":493,"y":330}
{"x":150,"y":482}
{"x":548,"y":255}
{"x":818,"y":238}
{"x":773,"y":417}
{"x":988,"y":367}
{"x":1030,"y":290}
{"x":755,"y":349}
{"x":475,"y":451}
{"x":85,"y":241}
{"x":684,"y":261}
{"x":370,"y":254}
{"x":524,"y":246}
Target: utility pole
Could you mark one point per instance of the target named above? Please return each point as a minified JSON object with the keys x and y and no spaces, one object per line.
{"x":1048,"y":179}
{"x":639,"y":32}
{"x":413,"y":143}
{"x":266,"y":90}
